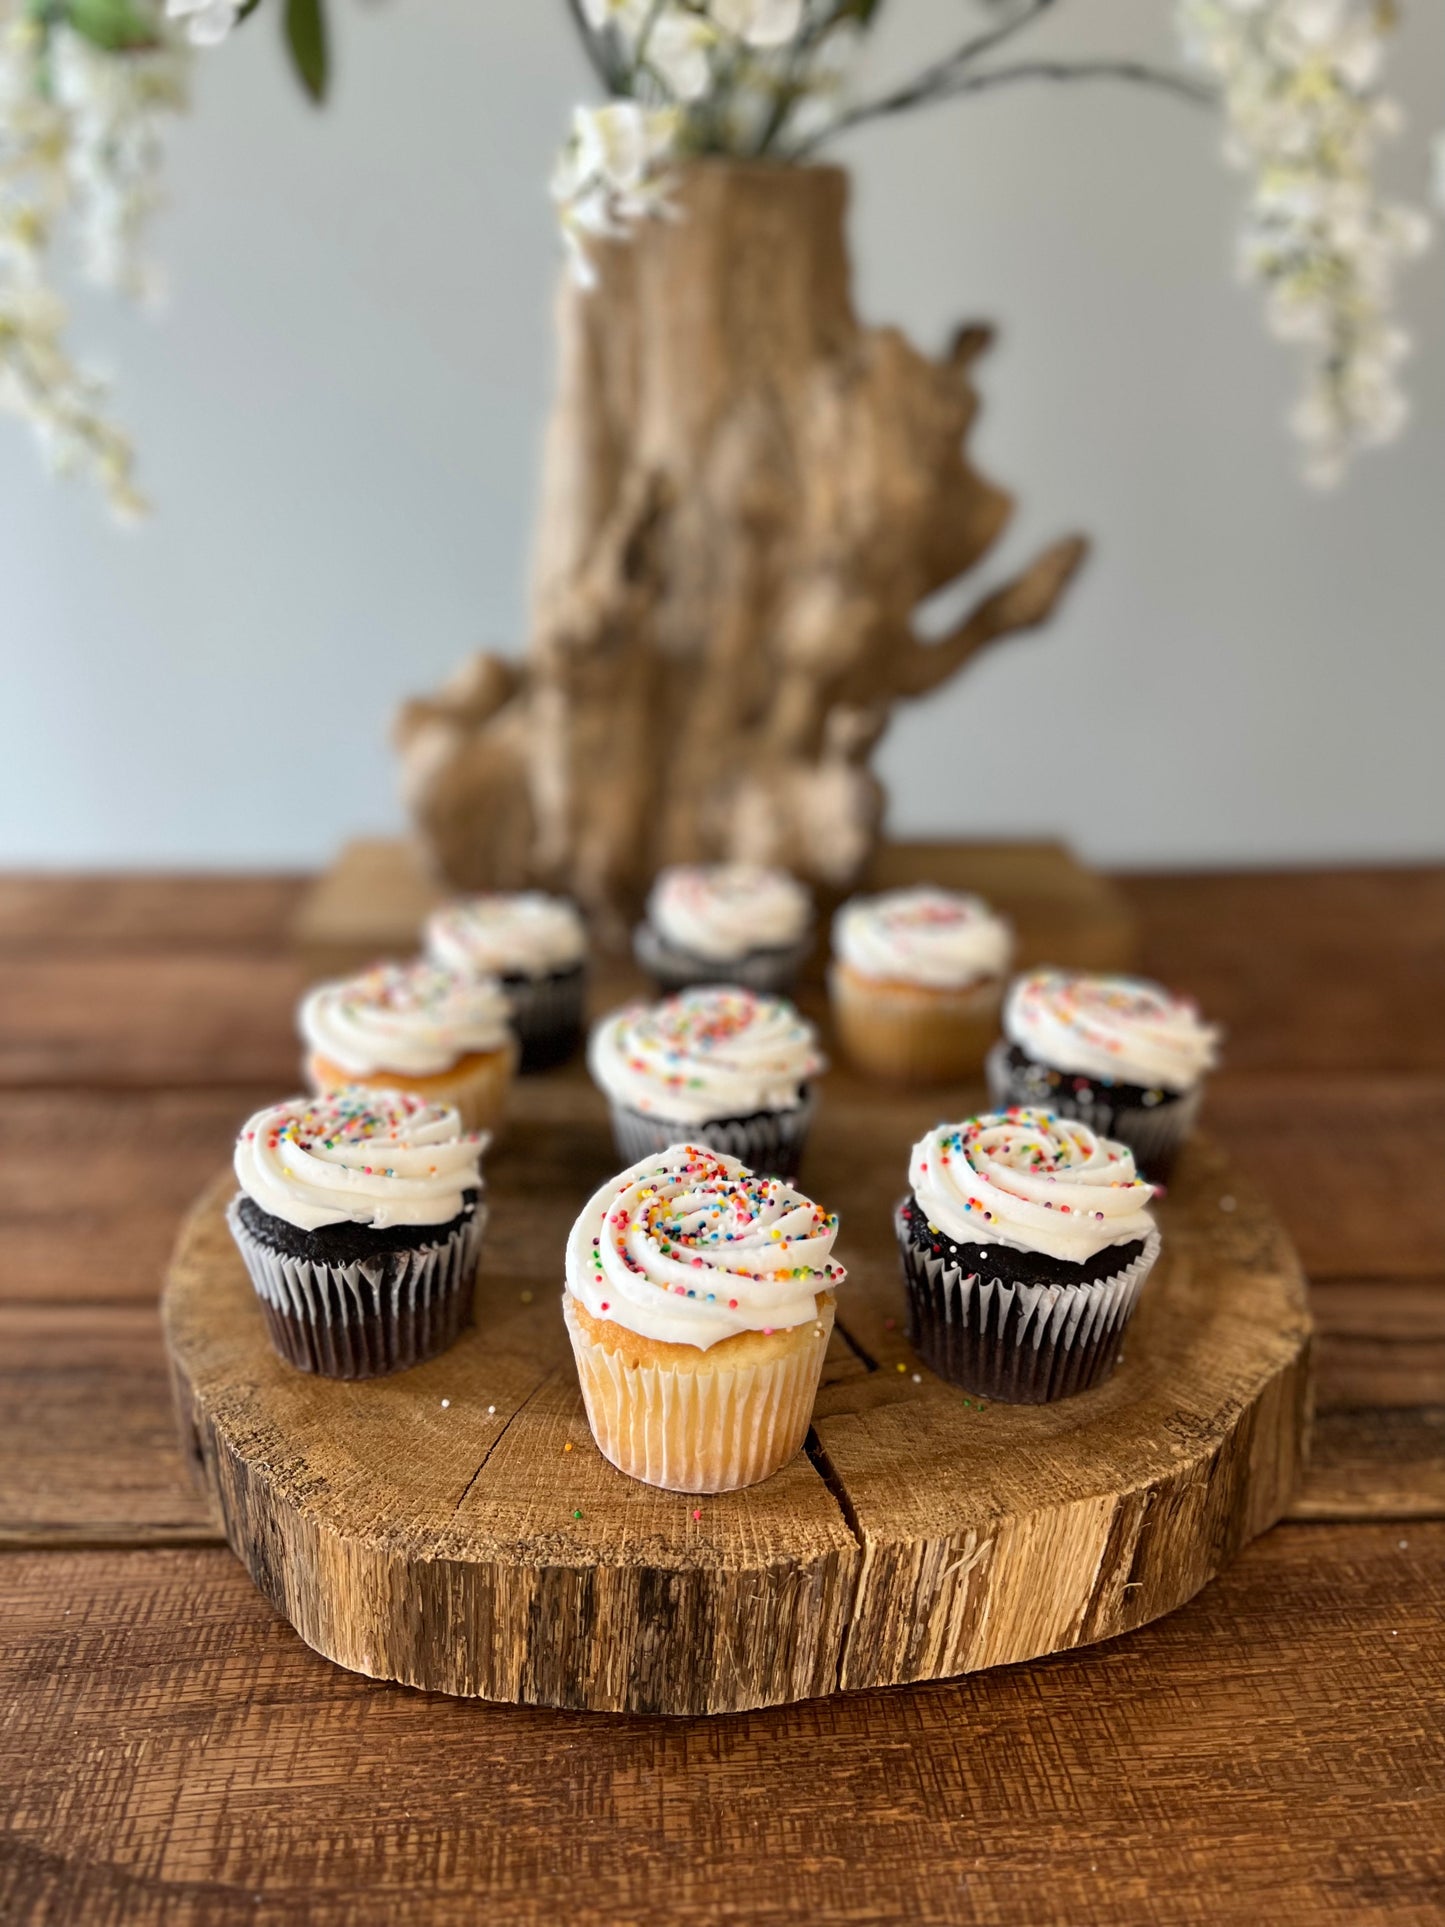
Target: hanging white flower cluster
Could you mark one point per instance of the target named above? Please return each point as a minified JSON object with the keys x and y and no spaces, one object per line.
{"x":1304,"y":117}
{"x":694,"y":76}
{"x":79,"y":139}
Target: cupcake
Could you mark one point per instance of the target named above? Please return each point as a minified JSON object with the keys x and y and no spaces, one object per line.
{"x":1118,"y":1053}
{"x":725,"y":923}
{"x":537,"y":946}
{"x":916,"y":982}
{"x":360,"y":1219}
{"x":722,"y":1067}
{"x":1026,"y":1239}
{"x":699,"y":1300}
{"x":439,"y":1034}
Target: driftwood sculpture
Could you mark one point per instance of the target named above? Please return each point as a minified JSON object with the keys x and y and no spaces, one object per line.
{"x":746,"y":497}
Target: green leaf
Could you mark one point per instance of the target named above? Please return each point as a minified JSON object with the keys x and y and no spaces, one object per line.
{"x":306,"y":37}
{"x":115,"y":26}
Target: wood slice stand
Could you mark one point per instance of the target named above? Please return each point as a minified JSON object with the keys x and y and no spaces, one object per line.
{"x":455,"y":1528}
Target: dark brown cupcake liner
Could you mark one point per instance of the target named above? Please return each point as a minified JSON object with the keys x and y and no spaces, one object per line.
{"x":366,"y":1319}
{"x":770,"y":1142}
{"x":769,"y":973}
{"x":547,"y":1015}
{"x":1021,"y":1344}
{"x":1154,"y":1133}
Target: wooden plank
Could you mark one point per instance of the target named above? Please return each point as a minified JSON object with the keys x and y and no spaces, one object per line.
{"x":88,"y":1444}
{"x":1297,"y":1136}
{"x":94,"y":1184}
{"x":172,"y":1756}
{"x":1327,"y":971}
{"x":372,"y":901}
{"x":90,"y":1022}
{"x":106,"y":913}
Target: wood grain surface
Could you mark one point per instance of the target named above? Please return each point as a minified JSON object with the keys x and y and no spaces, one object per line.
{"x":170,"y":1752}
{"x":455,"y":1527}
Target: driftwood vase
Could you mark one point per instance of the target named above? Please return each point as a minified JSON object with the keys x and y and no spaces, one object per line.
{"x":746,"y":496}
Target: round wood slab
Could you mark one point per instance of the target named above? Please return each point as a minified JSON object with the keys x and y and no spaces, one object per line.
{"x":455,"y":1527}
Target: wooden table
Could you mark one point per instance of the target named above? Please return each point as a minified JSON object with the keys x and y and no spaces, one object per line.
{"x":170,"y":1752}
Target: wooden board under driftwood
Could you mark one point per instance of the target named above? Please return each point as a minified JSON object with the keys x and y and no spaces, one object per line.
{"x":455,"y":1528}
{"x":372,"y":900}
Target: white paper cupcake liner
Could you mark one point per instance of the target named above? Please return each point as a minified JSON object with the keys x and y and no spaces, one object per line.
{"x":364,"y":1319}
{"x":1154,"y":1133}
{"x":547,"y":1014}
{"x":1022,"y":1344}
{"x":770,"y":1142}
{"x":768,"y":972}
{"x":708,"y":1429}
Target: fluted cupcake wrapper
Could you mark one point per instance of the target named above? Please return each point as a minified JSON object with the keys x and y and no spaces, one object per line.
{"x":768,"y":972}
{"x":1021,"y":1344}
{"x":770,"y":1142}
{"x":1154,"y":1133}
{"x":366,"y":1319}
{"x":710,"y":1429}
{"x":547,"y":1015}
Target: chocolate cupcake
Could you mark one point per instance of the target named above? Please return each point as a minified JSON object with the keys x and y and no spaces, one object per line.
{"x":536,"y":946}
{"x":720,"y":1067}
{"x":699,"y":1300}
{"x":1119,"y":1053}
{"x":725,"y":923}
{"x":442,"y":1035}
{"x":916,"y":981}
{"x":360,"y":1219}
{"x":1026,"y":1240}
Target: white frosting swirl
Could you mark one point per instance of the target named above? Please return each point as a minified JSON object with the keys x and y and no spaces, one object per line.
{"x":723,"y":910}
{"x":523,"y":934}
{"x":1031,"y":1180}
{"x":689,"y":1248}
{"x":1123,"y":1029}
{"x":941,"y":938}
{"x":709,"y":1053}
{"x":359,"y":1156}
{"x":412,"y":1019}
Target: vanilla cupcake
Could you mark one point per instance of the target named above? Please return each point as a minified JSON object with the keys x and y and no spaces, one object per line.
{"x":699,"y":1300}
{"x":443,"y":1035}
{"x":1026,"y":1240}
{"x":1117,"y":1052}
{"x":725,"y":923}
{"x":721,"y":1067}
{"x":536,"y":946}
{"x":916,"y":982}
{"x":360,"y":1219}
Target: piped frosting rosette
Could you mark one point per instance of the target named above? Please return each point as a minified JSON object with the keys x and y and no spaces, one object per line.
{"x":699,"y":1303}
{"x":1120,"y":1053}
{"x":1026,"y":1242}
{"x":943,"y":939}
{"x":358,"y":1156}
{"x":690,"y":1247}
{"x":1121,"y":1029}
{"x":360,"y":1219}
{"x":720,"y":1064}
{"x":1032,"y":1180}
{"x":525,"y":933}
{"x":719,"y":911}
{"x":413,"y":1019}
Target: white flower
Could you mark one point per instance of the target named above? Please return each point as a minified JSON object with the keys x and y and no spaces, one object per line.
{"x":761,"y":23}
{"x":677,"y":51}
{"x":207,"y":21}
{"x":612,"y":173}
{"x":1298,"y":78}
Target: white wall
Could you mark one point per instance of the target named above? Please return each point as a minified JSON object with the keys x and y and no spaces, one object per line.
{"x":339,"y":418}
